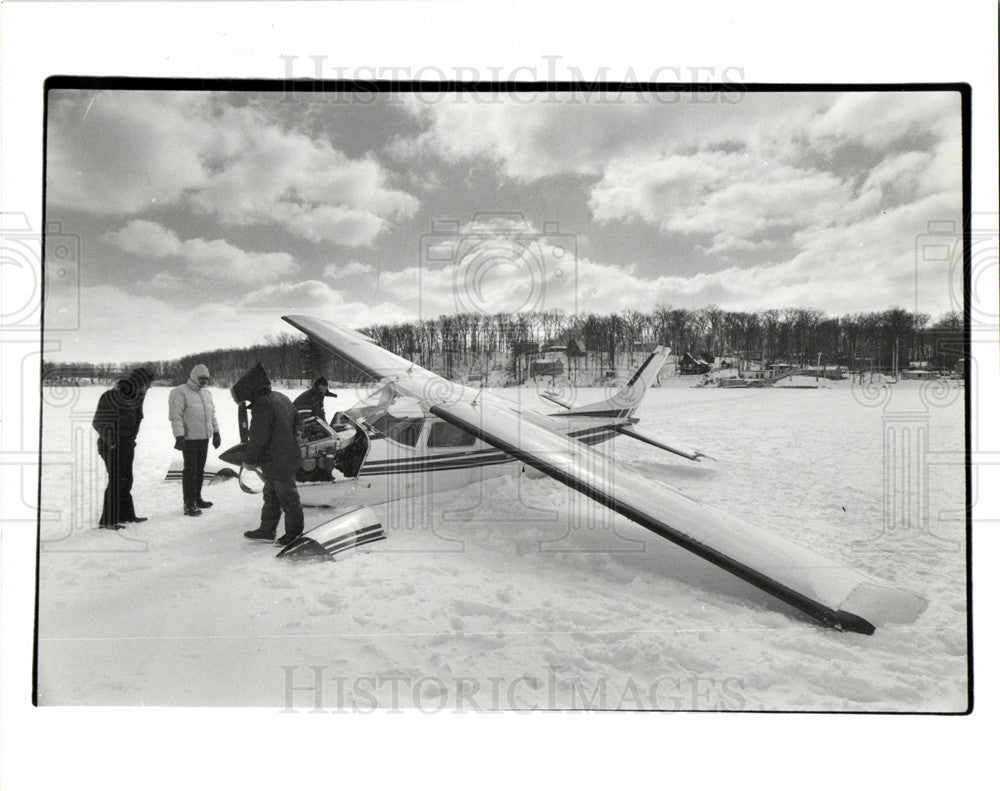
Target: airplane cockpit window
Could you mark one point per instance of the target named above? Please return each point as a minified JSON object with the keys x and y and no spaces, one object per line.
{"x":398,"y":417}
{"x":404,"y":430}
{"x":445,"y":435}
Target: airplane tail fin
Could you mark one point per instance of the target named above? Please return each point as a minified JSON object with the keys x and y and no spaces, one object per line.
{"x":624,"y":402}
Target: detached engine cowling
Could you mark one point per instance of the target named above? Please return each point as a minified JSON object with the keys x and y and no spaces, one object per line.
{"x":337,"y":537}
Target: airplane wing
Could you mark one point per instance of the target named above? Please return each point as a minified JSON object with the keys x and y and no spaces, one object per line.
{"x":829,"y":591}
{"x":359,"y":350}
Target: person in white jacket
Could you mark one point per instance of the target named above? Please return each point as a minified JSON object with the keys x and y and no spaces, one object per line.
{"x":192,"y":418}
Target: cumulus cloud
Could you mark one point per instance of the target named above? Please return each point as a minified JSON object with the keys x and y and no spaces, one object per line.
{"x":877,"y":119}
{"x":527,"y":139}
{"x":304,"y":295}
{"x":745,"y":175}
{"x":125,"y":152}
{"x":539,"y":135}
{"x":760,"y":192}
{"x":265,"y":173}
{"x":349,"y":270}
{"x":217,"y":258}
{"x":168,"y":282}
{"x":145,"y":238}
{"x":865,"y":264}
{"x":734,"y":199}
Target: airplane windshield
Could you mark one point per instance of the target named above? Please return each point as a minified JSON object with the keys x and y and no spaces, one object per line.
{"x":398,"y":417}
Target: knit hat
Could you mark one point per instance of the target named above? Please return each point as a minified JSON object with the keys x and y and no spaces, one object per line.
{"x":199,"y":371}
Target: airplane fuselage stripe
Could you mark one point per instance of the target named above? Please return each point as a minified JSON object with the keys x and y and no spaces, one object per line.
{"x":481,"y":458}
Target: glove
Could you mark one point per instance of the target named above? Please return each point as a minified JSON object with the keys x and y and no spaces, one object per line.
{"x":216,"y":439}
{"x":179,"y":443}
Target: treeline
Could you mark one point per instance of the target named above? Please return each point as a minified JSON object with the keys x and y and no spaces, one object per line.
{"x":283,"y":357}
{"x":460,"y":344}
{"x":799,"y":336}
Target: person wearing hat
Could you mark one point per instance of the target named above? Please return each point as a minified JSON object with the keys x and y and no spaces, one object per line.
{"x":312,"y":399}
{"x":273,"y":446}
{"x":116,"y":421}
{"x":192,"y":418}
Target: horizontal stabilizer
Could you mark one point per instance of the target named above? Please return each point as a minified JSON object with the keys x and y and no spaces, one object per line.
{"x":624,"y":402}
{"x":556,"y":400}
{"x":669,"y":445}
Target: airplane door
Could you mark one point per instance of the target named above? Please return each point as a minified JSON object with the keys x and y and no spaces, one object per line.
{"x":450,"y":451}
{"x":351,"y":462}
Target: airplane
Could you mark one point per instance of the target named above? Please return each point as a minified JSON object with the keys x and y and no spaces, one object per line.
{"x":387,"y":434}
{"x":418,"y":425}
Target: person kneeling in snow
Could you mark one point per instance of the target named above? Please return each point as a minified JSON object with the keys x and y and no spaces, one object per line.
{"x":273,"y":445}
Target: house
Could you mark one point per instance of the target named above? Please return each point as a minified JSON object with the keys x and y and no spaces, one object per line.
{"x":920,"y":374}
{"x":548,"y":364}
{"x":693,"y":365}
{"x":834,"y":372}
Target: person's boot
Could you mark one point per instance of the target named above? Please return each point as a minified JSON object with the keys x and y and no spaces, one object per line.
{"x":287,"y":539}
{"x":203,"y":503}
{"x":190,"y":509}
{"x":110,"y":526}
{"x":260,"y":534}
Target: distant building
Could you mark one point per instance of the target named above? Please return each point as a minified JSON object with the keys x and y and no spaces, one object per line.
{"x":918,"y":373}
{"x":521,"y":348}
{"x":546,"y":365}
{"x":825,"y":371}
{"x":693,"y":365}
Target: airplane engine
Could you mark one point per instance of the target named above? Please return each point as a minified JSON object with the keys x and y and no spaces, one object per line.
{"x":342,"y":446}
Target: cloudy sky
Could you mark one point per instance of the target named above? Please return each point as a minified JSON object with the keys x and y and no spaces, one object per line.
{"x":201,"y":217}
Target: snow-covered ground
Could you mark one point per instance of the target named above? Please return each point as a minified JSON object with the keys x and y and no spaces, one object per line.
{"x":514,"y":592}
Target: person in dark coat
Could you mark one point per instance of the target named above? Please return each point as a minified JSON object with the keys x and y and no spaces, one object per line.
{"x":312,"y":399}
{"x":116,"y":421}
{"x":273,"y":446}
